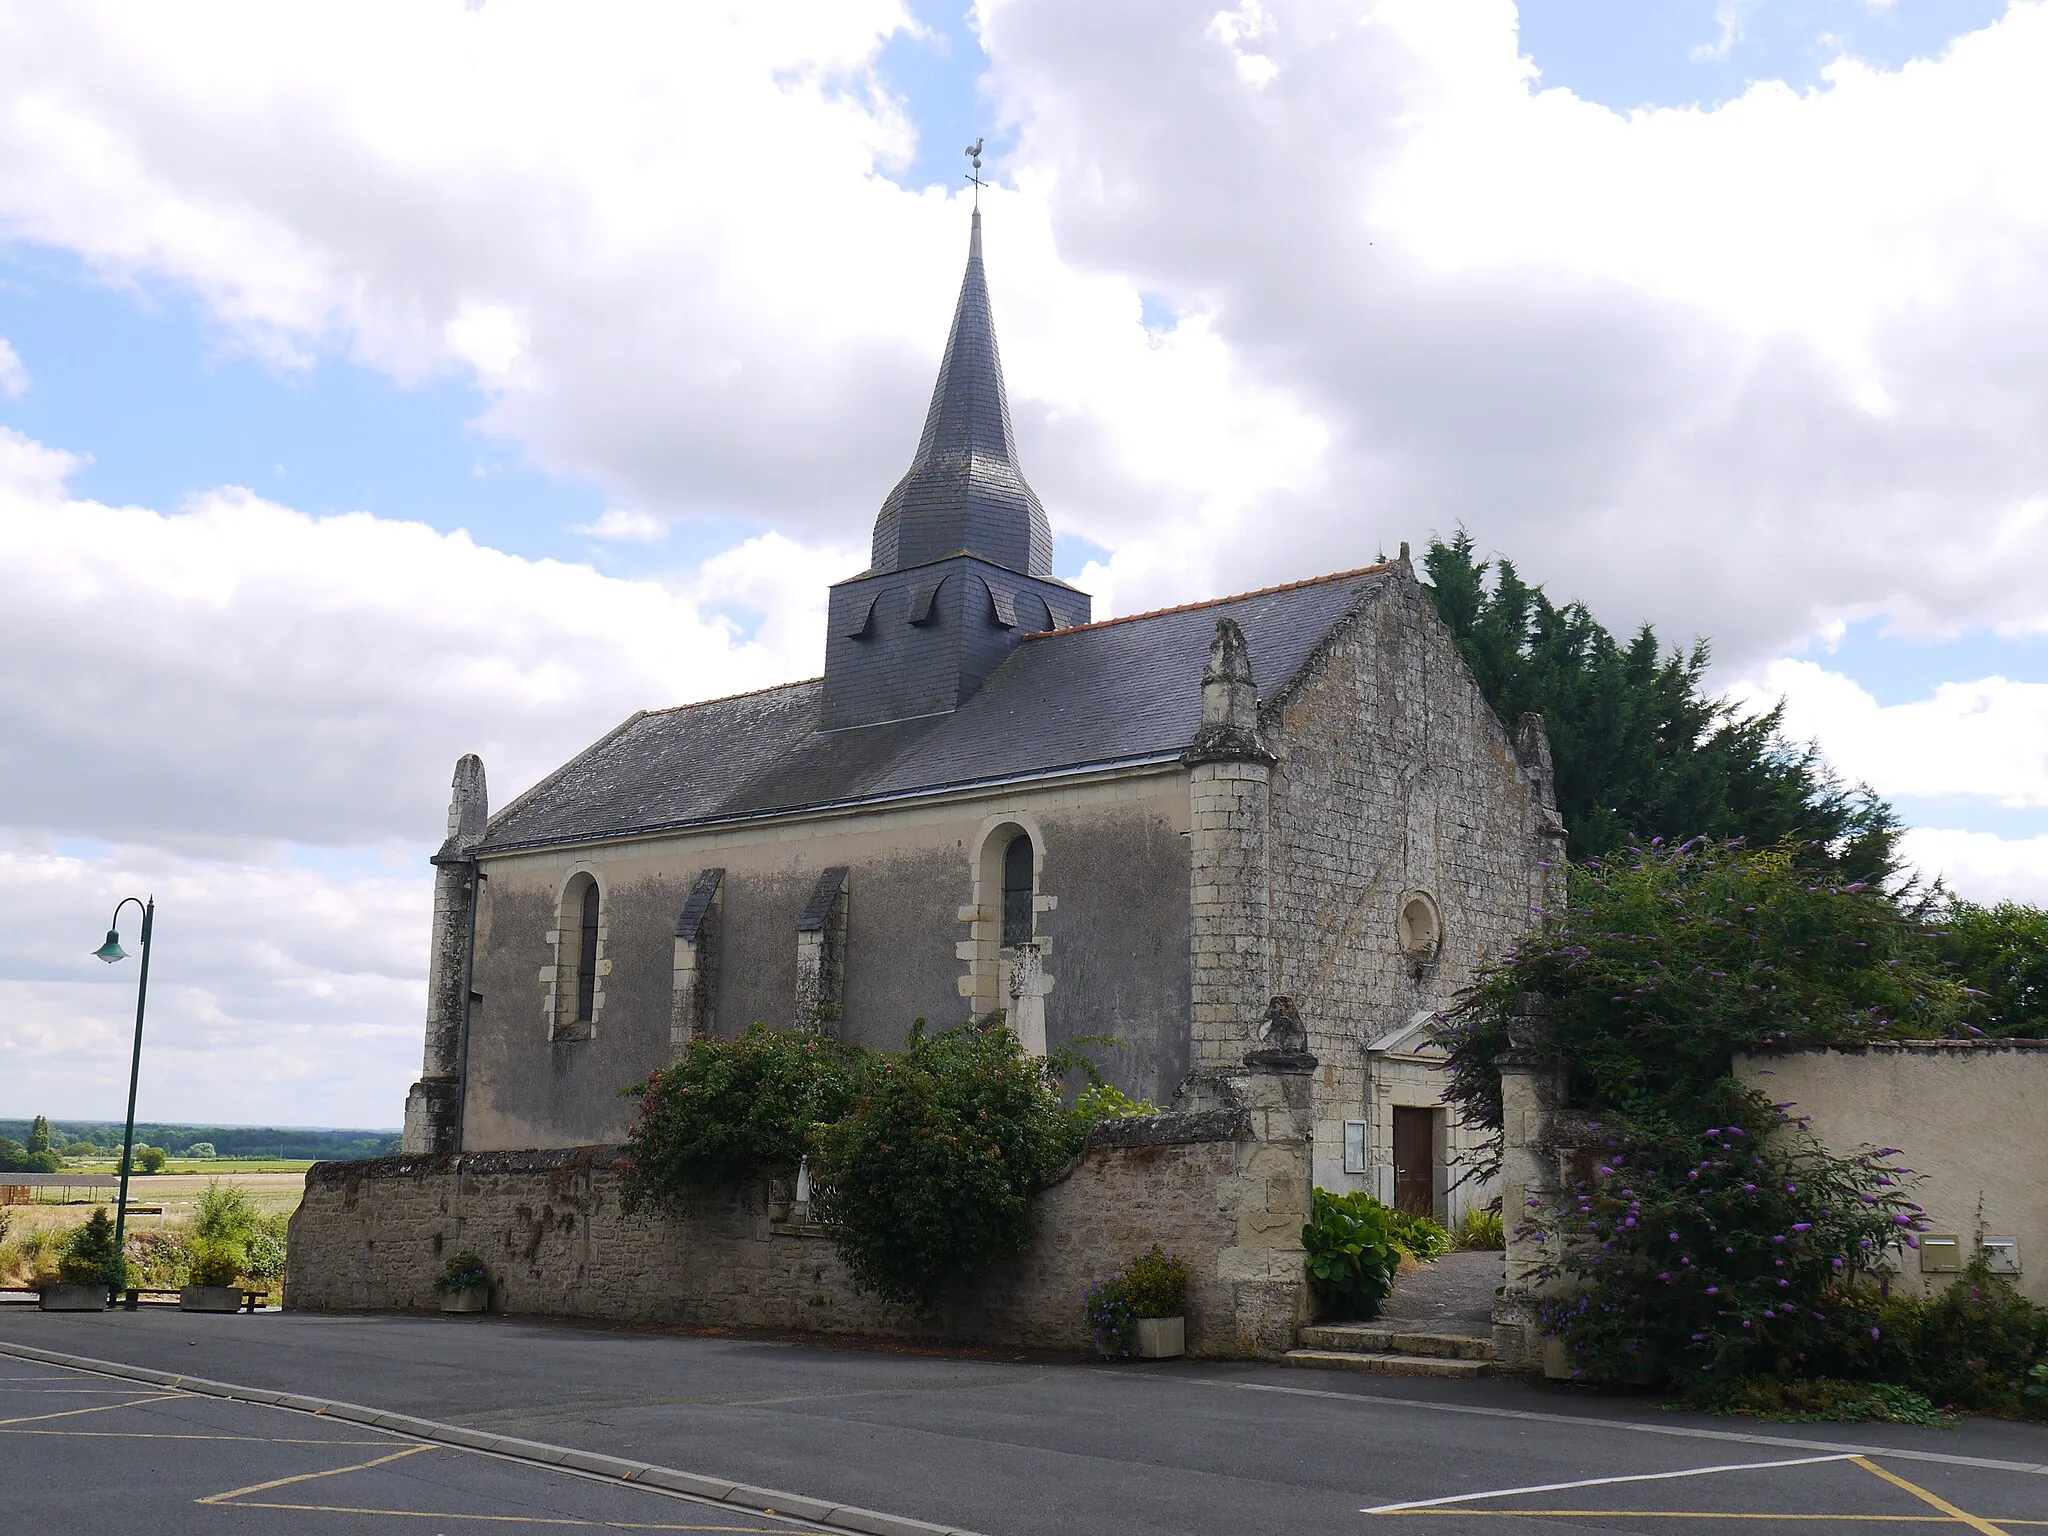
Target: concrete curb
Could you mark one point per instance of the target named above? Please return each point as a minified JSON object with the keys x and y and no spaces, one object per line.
{"x":767,"y":1501}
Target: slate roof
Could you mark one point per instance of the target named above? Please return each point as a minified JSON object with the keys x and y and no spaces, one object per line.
{"x":1121,"y":691}
{"x":964,"y":491}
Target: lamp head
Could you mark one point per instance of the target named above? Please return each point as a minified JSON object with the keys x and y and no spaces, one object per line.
{"x":112,"y":950}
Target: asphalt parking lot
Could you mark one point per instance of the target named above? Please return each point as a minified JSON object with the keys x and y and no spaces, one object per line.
{"x":993,"y":1445}
{"x":82,"y":1452}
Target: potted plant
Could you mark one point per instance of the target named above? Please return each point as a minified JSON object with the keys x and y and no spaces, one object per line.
{"x":1157,"y":1284}
{"x":216,"y":1270}
{"x":465,"y":1283}
{"x":1140,"y":1310}
{"x":85,"y":1273}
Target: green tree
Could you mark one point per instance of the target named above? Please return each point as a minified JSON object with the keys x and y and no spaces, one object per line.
{"x":2001,"y":953}
{"x":1641,"y":751}
{"x":148,"y":1159}
{"x":1665,"y":964}
{"x":39,"y":1134}
{"x":1707,"y":1235}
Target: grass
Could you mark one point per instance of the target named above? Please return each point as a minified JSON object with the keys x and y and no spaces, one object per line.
{"x":32,"y":1233}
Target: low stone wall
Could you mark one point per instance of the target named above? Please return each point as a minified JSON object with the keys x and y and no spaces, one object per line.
{"x":1971,"y":1117}
{"x":1227,"y":1190}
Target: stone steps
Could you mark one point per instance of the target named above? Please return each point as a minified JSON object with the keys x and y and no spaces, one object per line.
{"x":1389,"y":1349}
{"x":1389,"y":1364}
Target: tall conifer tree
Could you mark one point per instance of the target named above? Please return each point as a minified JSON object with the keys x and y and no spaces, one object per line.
{"x":1641,"y":750}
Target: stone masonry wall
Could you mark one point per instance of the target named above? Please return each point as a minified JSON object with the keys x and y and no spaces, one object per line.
{"x":1226,"y":1190}
{"x":1394,"y":776}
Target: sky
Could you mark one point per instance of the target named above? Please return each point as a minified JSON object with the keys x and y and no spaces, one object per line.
{"x":388,"y":382}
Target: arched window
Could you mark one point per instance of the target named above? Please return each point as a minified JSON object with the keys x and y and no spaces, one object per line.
{"x":1017,"y":892}
{"x":586,"y":957}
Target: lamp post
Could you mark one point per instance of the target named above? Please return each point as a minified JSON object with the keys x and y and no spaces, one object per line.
{"x":110,"y":952}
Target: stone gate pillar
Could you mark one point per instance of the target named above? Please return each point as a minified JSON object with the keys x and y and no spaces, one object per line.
{"x":1532,"y":1096}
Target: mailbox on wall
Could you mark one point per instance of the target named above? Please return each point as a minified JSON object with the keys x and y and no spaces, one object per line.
{"x":1940,"y":1253}
{"x":2002,"y":1255}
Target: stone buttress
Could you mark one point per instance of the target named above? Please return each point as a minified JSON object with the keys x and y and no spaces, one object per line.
{"x":433,"y":1109}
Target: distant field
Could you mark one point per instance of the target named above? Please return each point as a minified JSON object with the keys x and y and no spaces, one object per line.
{"x":107,"y":1168}
{"x":271,"y":1190}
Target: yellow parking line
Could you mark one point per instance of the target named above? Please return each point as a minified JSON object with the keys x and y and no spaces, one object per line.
{"x":33,"y":1418}
{"x":306,"y":1477}
{"x":591,"y":1525}
{"x":1975,"y":1522}
{"x":1699,"y":1514}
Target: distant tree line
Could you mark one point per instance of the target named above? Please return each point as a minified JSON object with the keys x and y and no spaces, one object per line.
{"x":42,"y":1145}
{"x":1643,"y":753}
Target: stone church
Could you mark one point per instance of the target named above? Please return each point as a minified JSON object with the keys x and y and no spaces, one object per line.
{"x":1169,"y":828}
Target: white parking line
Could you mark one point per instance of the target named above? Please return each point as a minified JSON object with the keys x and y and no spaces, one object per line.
{"x":1632,"y":1426}
{"x":1596,"y":1482}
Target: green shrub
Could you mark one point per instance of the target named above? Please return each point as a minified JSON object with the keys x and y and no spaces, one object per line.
{"x":1821,"y":1400}
{"x":266,"y":1252}
{"x":929,"y":1175}
{"x":216,"y":1261}
{"x":84,"y":1149}
{"x":1104,"y":1101}
{"x":732,"y":1107}
{"x":88,"y":1255}
{"x":1480,"y":1229}
{"x":225,"y":1211}
{"x":1157,"y":1283}
{"x":1112,"y":1322}
{"x":160,"y":1261}
{"x":464,"y":1271}
{"x":1423,"y":1238}
{"x":1352,"y":1252}
{"x":1978,"y":1344}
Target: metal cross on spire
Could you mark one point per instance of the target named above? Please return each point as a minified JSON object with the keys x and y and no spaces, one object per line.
{"x":973,"y":153}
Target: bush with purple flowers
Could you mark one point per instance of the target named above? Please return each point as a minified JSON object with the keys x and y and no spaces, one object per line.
{"x":1112,"y":1320}
{"x":1692,"y":1256}
{"x":1708,"y":1236}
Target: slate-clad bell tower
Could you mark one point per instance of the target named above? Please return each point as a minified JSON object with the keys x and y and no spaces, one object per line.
{"x":962,"y":561}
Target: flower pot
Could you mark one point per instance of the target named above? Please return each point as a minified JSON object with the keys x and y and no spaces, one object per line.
{"x":476,"y":1298}
{"x":210,"y":1298}
{"x":65,"y":1297}
{"x":1162,"y":1338}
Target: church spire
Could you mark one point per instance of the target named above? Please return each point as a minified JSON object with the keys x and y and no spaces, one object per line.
{"x":964,"y":492}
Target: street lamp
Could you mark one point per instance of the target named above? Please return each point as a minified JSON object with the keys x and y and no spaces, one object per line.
{"x":110,"y":952}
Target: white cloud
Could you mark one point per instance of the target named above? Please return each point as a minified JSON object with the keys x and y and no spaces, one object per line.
{"x":238,"y":672}
{"x":1987,"y":738}
{"x":215,"y":689}
{"x":1739,"y":371}
{"x":13,"y":376}
{"x":628,"y":527}
{"x":276,"y":994}
{"x":1980,"y":866}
